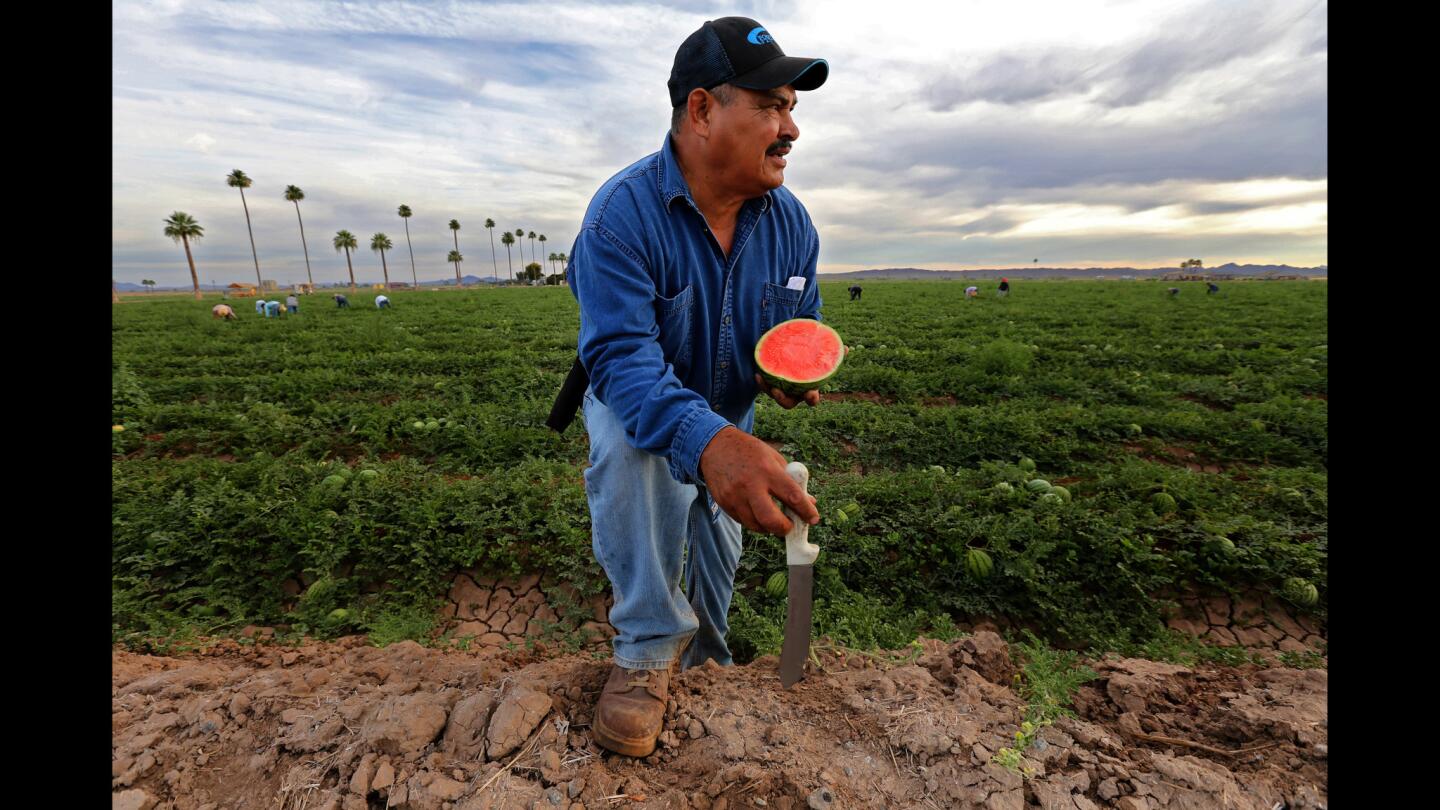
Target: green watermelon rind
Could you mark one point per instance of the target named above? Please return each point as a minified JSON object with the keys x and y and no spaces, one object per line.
{"x":778,"y":584}
{"x":796,"y":388}
{"x":1300,"y":591}
{"x":978,"y":564}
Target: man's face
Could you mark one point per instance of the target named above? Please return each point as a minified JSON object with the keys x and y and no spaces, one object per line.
{"x":754,"y":133}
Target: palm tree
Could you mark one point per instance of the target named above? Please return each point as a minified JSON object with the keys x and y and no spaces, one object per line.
{"x":345,"y":240}
{"x":490,"y":226}
{"x":405,"y":215}
{"x":295,"y":195}
{"x":238,"y":179}
{"x":455,"y":261}
{"x":520,"y":234}
{"x":532,"y":246}
{"x":455,"y":230}
{"x":182,"y":227}
{"x":507,"y":239}
{"x":382,"y":243}
{"x":542,"y":242}
{"x":455,"y":258}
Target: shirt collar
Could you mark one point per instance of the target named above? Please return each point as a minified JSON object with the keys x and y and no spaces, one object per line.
{"x":672,"y":183}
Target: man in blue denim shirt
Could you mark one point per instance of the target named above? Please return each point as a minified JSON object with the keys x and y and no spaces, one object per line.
{"x":683,"y":261}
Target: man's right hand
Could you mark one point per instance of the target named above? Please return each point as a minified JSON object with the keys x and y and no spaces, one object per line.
{"x":743,"y":474}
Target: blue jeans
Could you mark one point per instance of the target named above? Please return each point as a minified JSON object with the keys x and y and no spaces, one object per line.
{"x":646,"y":527}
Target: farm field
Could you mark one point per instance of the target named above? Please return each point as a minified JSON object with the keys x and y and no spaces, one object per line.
{"x":327,"y":475}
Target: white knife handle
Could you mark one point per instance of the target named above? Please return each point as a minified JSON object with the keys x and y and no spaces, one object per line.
{"x":798,"y":548}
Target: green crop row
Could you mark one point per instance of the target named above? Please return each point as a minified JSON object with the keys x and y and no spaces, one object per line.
{"x":231,"y":430}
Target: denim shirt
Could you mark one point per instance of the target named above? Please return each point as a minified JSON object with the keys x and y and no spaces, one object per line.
{"x":668,"y":322}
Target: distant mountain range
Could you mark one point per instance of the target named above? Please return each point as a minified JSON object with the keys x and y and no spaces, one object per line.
{"x":1229,"y":269}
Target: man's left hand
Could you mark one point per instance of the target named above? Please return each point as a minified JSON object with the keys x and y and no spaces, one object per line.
{"x":811,"y":397}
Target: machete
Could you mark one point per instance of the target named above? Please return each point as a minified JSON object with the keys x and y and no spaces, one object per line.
{"x":800,"y":555}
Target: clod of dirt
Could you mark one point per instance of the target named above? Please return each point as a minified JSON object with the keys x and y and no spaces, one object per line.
{"x":821,"y":799}
{"x":517,"y":715}
{"x":465,"y":734}
{"x":131,"y":800}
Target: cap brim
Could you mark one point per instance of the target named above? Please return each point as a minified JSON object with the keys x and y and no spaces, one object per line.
{"x":800,"y":72}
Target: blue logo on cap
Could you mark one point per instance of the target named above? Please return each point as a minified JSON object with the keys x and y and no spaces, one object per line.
{"x":759,"y":36}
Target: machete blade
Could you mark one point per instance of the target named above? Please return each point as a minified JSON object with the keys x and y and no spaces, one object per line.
{"x":797,"y":625}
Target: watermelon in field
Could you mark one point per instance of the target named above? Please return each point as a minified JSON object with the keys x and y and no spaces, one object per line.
{"x":798,"y":355}
{"x":418,"y":425}
{"x":1051,"y":499}
{"x":937,"y":468}
{"x":1300,"y":591}
{"x":1222,"y":544}
{"x":335,"y":481}
{"x":852,"y":509}
{"x":1038,"y":485}
{"x":1163,"y":503}
{"x":1004,"y":488}
{"x":1061,"y":493}
{"x":978,"y":564}
{"x":1027,"y":465}
{"x":369,"y":474}
{"x":777,"y":584}
{"x":432,"y":425}
{"x":841,"y":517}
{"x":338,"y":615}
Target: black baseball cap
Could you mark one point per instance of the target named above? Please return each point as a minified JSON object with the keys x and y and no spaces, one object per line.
{"x":739,"y":51}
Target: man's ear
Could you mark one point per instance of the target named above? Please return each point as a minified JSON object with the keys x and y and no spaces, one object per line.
{"x":698,"y":106}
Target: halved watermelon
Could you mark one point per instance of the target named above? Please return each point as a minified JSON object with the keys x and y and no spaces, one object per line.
{"x":798,"y":355}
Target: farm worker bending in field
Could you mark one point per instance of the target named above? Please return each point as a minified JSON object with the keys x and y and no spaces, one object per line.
{"x":382,"y":302}
{"x":341,"y":302}
{"x":292,"y":304}
{"x":972,"y":292}
{"x":683,"y":260}
{"x":1174,"y":291}
{"x":223,"y":311}
{"x":1004,"y":288}
{"x":272,"y":309}
{"x":260,"y":307}
{"x":854,"y":292}
{"x":1211,"y":288}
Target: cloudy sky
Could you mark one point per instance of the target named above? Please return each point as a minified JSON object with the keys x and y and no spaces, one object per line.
{"x":950,"y":135}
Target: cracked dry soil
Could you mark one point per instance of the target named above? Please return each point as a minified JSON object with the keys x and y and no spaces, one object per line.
{"x":345,"y":726}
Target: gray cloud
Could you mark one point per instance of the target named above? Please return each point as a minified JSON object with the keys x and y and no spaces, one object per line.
{"x":520,"y":111}
{"x":1127,"y":74}
{"x":1287,"y":137}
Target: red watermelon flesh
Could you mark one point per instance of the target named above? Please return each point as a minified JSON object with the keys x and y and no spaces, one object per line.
{"x":798,"y":355}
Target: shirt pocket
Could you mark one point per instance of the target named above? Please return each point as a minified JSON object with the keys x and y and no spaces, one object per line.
{"x":779,"y":304}
{"x":674,"y":316}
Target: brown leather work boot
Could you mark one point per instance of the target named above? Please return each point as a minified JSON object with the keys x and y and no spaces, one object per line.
{"x":631,"y":710}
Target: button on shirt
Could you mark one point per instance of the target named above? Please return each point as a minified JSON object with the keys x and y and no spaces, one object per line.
{"x":668,"y":322}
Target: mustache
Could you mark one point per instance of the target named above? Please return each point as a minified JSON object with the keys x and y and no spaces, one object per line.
{"x":783,"y":143}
